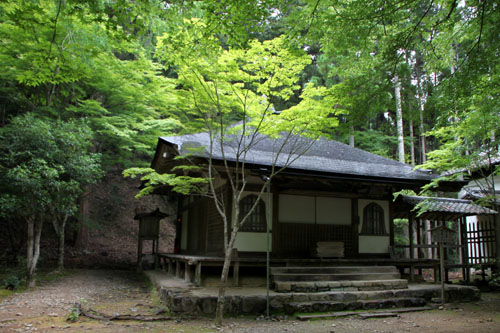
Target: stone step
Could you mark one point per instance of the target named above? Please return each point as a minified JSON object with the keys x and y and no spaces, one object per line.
{"x":334,"y":277}
{"x":335,"y":270}
{"x":325,"y":306}
{"x":348,"y":285}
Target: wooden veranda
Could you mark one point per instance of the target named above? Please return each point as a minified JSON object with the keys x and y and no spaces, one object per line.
{"x":438,"y":211}
{"x":189,"y":267}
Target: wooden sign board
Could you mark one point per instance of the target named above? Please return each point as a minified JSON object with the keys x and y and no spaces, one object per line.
{"x":443,"y":235}
{"x":149,"y":227}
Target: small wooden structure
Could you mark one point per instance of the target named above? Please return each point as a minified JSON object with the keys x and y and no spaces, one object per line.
{"x":422,"y":243}
{"x":149,"y":229}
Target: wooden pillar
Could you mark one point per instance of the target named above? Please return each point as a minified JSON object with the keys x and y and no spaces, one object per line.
{"x":410,"y":240}
{"x":155,"y":253}
{"x":236,"y":274}
{"x":170,"y":267}
{"x":197,"y":274}
{"x":139,"y":255}
{"x":187,"y":272}
{"x":462,"y":247}
{"x":391,"y":224}
{"x":355,"y":226}
{"x":178,"y":269}
{"x":275,"y":226}
{"x":419,"y":242}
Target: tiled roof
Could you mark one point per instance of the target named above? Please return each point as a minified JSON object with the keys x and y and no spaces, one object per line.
{"x":448,"y":205}
{"x":325,"y":156}
{"x":483,"y":162}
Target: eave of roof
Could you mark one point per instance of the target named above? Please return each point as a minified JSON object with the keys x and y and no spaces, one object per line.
{"x":440,"y":207}
{"x":324,"y":157}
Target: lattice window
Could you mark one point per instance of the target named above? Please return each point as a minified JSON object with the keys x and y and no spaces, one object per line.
{"x":373,"y":220}
{"x":256,"y":222}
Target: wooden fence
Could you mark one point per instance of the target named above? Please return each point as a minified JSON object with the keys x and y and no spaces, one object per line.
{"x":481,"y":241}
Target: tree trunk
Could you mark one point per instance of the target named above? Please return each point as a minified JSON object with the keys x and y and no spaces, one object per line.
{"x":423,"y":149}
{"x":219,"y":313}
{"x":61,"y":233}
{"x":33,"y":249}
{"x":351,"y":137}
{"x":399,"y":119}
{"x":421,"y":97}
{"x":82,"y":236}
{"x":412,"y":144}
{"x":30,"y":243}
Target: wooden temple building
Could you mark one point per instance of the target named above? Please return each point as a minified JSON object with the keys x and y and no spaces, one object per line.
{"x":334,"y":197}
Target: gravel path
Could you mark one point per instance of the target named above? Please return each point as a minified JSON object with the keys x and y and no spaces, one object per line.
{"x":55,"y":299}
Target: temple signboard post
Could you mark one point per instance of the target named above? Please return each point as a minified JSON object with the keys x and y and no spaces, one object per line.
{"x":149,"y":229}
{"x":443,"y":236}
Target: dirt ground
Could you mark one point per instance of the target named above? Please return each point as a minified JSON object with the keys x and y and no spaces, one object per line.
{"x":46,"y":309}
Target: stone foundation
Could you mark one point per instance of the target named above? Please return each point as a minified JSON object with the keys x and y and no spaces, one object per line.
{"x":183,"y":301}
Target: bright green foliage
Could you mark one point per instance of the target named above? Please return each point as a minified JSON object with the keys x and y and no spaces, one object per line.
{"x":180,"y":184}
{"x":229,"y":93}
{"x":74,"y":59}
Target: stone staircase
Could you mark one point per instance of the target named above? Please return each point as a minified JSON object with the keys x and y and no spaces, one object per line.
{"x":343,"y":288}
{"x":345,"y":278}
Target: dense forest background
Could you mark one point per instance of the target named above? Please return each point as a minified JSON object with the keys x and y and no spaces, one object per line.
{"x":86,"y":87}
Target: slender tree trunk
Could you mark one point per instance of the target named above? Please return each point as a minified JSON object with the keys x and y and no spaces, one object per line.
{"x":61,"y":232}
{"x":423,"y":150}
{"x":33,"y":249}
{"x":30,"y":243}
{"x":82,"y":236}
{"x":412,"y":143}
{"x":399,"y":119}
{"x":421,"y":97}
{"x":219,"y":313}
{"x":351,"y":137}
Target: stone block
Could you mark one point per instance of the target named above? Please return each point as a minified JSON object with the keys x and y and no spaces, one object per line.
{"x":254,"y":304}
{"x":283,"y":287}
{"x":334,"y":284}
{"x":350,"y":296}
{"x":300,"y":298}
{"x":321,"y":284}
{"x":320,"y":306}
{"x":276,"y":302}
{"x":176,"y":304}
{"x":208,"y":304}
{"x":236,"y":304}
{"x":189,"y":304}
{"x":353,"y":305}
{"x":370,"y":305}
{"x":336,"y":297}
{"x":336,"y":306}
